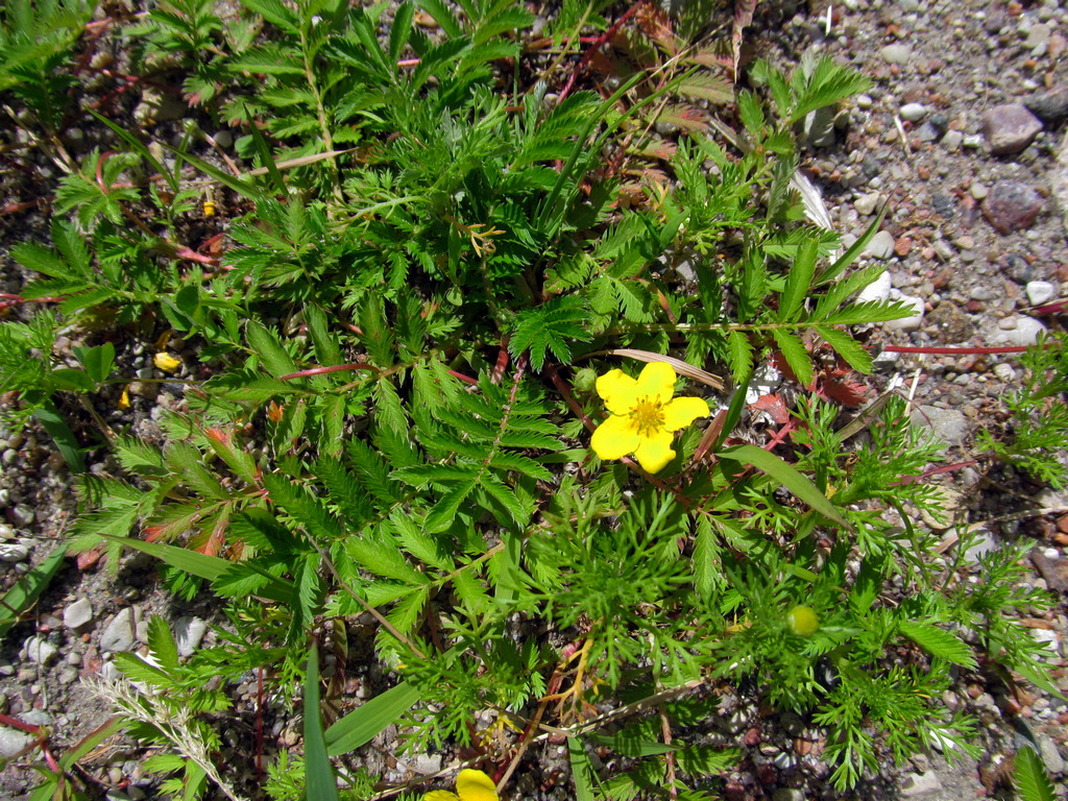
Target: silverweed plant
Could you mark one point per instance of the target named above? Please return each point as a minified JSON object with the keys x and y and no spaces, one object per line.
{"x":416,"y":438}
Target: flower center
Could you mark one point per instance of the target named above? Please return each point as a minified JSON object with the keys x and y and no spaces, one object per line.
{"x":647,"y":416}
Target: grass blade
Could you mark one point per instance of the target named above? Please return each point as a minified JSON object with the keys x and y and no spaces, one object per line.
{"x":361,"y":725}
{"x":321,"y":784}
{"x":25,"y":592}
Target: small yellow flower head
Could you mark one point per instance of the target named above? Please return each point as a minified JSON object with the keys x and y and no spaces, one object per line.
{"x":165,"y":362}
{"x":644,"y":416}
{"x":471,"y":785}
{"x":802,"y":621}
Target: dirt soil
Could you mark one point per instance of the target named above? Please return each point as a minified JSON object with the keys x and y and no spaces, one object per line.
{"x":961,"y":137}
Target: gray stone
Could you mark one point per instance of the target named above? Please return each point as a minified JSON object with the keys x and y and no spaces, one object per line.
{"x":1018,"y":330}
{"x":1058,"y":182}
{"x":867,"y":204}
{"x":6,"y":532}
{"x":913,"y":112}
{"x":952,"y":140}
{"x":158,"y":106}
{"x":1011,"y":206}
{"x":1039,"y":292}
{"x":119,"y":634}
{"x":879,"y":289}
{"x":881,"y":246}
{"x":922,"y":784}
{"x":911,"y":321}
{"x":1051,"y":106}
{"x":13,"y":552}
{"x":818,"y":127}
{"x":223,"y":138}
{"x":788,"y":794}
{"x":21,"y":515}
{"x":40,"y":650}
{"x":188,"y":634}
{"x":36,"y":717}
{"x":1005,"y":372}
{"x":12,"y":741}
{"x":896,"y":54}
{"x":949,"y":425}
{"x":427,"y":763}
{"x":78,"y":614}
{"x":1051,"y":756}
{"x":1009,"y":128}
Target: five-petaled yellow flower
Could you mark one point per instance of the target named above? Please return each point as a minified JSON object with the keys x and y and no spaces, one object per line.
{"x":471,"y":785}
{"x":644,"y":416}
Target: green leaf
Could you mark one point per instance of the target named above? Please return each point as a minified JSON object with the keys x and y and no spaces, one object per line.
{"x":321,"y":785}
{"x":798,"y":483}
{"x":846,"y":347}
{"x":97,"y":361}
{"x":707,"y":570}
{"x":361,"y":725}
{"x":740,"y":350}
{"x":798,"y":280}
{"x":400,"y":31}
{"x":268,"y":349}
{"x":581,"y":769}
{"x":264,"y":150}
{"x":22,"y":595}
{"x":137,"y":146}
{"x":796,"y":356}
{"x":56,"y":426}
{"x":632,"y":743}
{"x":938,"y":642}
{"x":161,"y":642}
{"x":444,"y":512}
{"x":1029,"y":777}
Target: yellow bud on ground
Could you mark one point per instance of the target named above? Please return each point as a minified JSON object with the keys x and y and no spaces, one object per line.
{"x":165,"y":362}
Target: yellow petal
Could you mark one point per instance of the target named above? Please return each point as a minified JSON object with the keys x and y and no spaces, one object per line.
{"x":653,"y":453}
{"x":474,"y":785}
{"x":618,"y":391}
{"x":657,"y":381}
{"x":441,"y":795}
{"x":683,"y":411}
{"x":165,"y":362}
{"x":124,"y":398}
{"x":614,"y":438}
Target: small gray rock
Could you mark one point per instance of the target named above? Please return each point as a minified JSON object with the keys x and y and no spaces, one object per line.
{"x":881,"y":246}
{"x":12,"y":552}
{"x":1024,"y":331}
{"x":879,"y":289}
{"x":1039,"y":292}
{"x":1009,"y":128}
{"x":1011,"y":206}
{"x":6,"y":532}
{"x":922,"y":784}
{"x":867,"y":204}
{"x":188,"y":634}
{"x":12,"y":741}
{"x":896,"y":54}
{"x":223,"y":138}
{"x":912,"y":321}
{"x":119,"y":634}
{"x":949,"y":425}
{"x":913,"y":112}
{"x":78,"y":614}
{"x":427,"y":763}
{"x":1005,"y":372}
{"x":1051,"y":106}
{"x":1051,"y":756}
{"x":952,"y":140}
{"x":21,"y":515}
{"x":788,"y":794}
{"x":40,"y":650}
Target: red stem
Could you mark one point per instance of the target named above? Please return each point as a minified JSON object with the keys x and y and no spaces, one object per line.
{"x":597,"y":44}
{"x":332,"y":369}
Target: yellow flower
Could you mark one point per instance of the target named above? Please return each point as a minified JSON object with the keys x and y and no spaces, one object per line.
{"x":165,"y":362}
{"x":471,"y":785}
{"x":644,"y":415}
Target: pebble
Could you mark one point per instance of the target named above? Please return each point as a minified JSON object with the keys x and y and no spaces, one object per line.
{"x":881,"y":246}
{"x":21,"y":515}
{"x":1049,"y":638}
{"x":1051,"y":756}
{"x":879,"y":289}
{"x":1009,"y":128}
{"x":78,"y":614}
{"x":913,"y":112}
{"x":922,"y":784}
{"x":6,"y":532}
{"x":119,"y":634}
{"x":12,"y":741}
{"x":1011,"y":206}
{"x":896,"y":54}
{"x":1051,"y":106}
{"x":223,"y":138}
{"x":427,"y":763}
{"x":40,"y":650}
{"x":949,"y":425}
{"x":982,"y":544}
{"x":978,"y":191}
{"x":12,"y":552}
{"x":1005,"y":372}
{"x":868,"y":203}
{"x":911,"y":321}
{"x":788,"y":794}
{"x":952,"y":140}
{"x":188,"y":634}
{"x":1040,"y":292}
{"x":1018,"y":330}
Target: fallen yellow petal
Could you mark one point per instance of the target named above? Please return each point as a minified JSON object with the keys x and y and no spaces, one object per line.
{"x":124,"y":399}
{"x":165,"y":362}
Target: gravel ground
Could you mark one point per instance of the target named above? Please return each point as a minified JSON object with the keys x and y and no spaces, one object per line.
{"x":961,"y":138}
